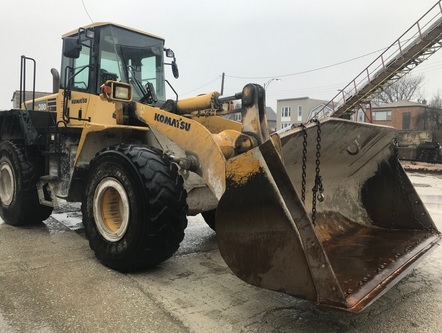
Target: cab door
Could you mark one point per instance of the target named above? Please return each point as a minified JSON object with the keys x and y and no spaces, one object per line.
{"x":78,"y":85}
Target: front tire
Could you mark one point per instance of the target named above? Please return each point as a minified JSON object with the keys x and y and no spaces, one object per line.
{"x":134,"y":207}
{"x":19,"y":174}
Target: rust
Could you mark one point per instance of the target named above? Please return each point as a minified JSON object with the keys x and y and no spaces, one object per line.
{"x":366,"y":235}
{"x":358,"y":253}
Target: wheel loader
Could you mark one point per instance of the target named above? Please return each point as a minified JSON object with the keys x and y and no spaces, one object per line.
{"x":323,"y":212}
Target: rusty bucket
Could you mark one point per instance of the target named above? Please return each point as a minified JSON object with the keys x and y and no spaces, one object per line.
{"x":325,"y":213}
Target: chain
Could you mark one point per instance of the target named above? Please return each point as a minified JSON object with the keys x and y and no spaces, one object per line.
{"x":402,"y":188}
{"x":304,"y":162}
{"x":318,"y":179}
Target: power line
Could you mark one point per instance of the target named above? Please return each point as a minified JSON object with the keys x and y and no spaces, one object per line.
{"x":204,"y":85}
{"x":85,"y":9}
{"x":307,"y":71}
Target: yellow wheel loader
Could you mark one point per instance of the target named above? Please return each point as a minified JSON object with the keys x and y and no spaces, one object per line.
{"x":323,"y":212}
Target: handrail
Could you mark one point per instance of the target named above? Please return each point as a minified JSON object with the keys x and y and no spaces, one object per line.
{"x":22,"y":96}
{"x":414,"y":46}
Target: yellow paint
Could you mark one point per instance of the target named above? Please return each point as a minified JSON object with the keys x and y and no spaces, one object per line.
{"x":202,"y":102}
{"x":111,"y":208}
{"x":240,"y":168}
{"x":91,"y":128}
{"x":98,"y":111}
{"x":217,"y":124}
{"x":84,"y":104}
{"x":225,"y":140}
{"x":191,"y":136}
{"x":211,"y":139}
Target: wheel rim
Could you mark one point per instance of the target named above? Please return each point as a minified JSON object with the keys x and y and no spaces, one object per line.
{"x":7,"y":184}
{"x":111,"y":209}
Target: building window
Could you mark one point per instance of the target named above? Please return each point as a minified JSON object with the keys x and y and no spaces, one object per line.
{"x":285,"y":112}
{"x":406,"y":120}
{"x":284,"y":125}
{"x":382,"y":115}
{"x":237,"y":116}
{"x":300,"y":113}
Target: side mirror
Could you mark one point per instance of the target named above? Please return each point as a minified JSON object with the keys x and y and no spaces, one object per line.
{"x":175,"y":71}
{"x":169,"y":53}
{"x":71,"y":47}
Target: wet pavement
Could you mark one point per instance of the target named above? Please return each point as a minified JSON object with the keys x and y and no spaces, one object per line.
{"x":50,"y":281}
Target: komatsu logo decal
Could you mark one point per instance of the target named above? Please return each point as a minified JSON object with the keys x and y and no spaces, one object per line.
{"x":79,"y":100}
{"x":177,"y":123}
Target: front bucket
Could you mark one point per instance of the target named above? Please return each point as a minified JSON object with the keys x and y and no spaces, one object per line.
{"x":367,"y":233}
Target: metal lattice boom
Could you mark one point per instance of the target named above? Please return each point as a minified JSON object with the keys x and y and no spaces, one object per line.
{"x":417,"y":44}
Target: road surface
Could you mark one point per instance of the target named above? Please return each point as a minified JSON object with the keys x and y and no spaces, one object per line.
{"x":50,"y":281}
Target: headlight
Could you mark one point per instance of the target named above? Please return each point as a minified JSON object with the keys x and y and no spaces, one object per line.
{"x":121,"y":92}
{"x":114,"y":91}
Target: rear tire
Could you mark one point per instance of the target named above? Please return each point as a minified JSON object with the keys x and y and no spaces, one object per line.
{"x":134,"y":208}
{"x":209,"y":217}
{"x":19,"y":174}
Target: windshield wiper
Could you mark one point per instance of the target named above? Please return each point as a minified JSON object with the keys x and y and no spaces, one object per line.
{"x":148,"y":91}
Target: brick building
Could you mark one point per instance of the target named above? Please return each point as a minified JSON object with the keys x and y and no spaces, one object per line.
{"x":406,"y":115}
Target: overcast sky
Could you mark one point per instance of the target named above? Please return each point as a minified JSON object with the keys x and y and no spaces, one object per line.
{"x":248,"y":40}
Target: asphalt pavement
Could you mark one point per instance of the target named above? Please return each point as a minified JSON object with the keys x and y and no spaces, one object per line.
{"x":50,"y":281}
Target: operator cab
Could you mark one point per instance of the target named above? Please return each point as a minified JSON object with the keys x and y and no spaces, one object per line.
{"x":105,"y":51}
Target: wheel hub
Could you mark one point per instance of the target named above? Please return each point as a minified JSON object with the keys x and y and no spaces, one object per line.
{"x":7,"y":184}
{"x":111,"y":209}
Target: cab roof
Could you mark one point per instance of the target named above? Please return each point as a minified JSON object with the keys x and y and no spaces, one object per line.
{"x":100,"y":24}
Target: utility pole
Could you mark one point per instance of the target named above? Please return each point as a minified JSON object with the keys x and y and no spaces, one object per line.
{"x":222,"y":84}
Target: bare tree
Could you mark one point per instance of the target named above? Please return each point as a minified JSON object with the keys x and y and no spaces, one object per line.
{"x":436,"y":101}
{"x":433,"y":112}
{"x":404,"y":89}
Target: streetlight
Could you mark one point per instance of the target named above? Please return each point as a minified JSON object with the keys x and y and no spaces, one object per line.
{"x":270,"y":81}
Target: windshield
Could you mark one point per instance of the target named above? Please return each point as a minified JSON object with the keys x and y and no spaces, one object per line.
{"x":134,"y":58}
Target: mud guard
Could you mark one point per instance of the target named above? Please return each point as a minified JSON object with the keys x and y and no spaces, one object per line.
{"x":370,"y":230}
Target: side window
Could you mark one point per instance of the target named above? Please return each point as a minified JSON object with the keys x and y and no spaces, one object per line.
{"x":109,"y":69}
{"x":148,"y":71}
{"x":81,"y":69}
